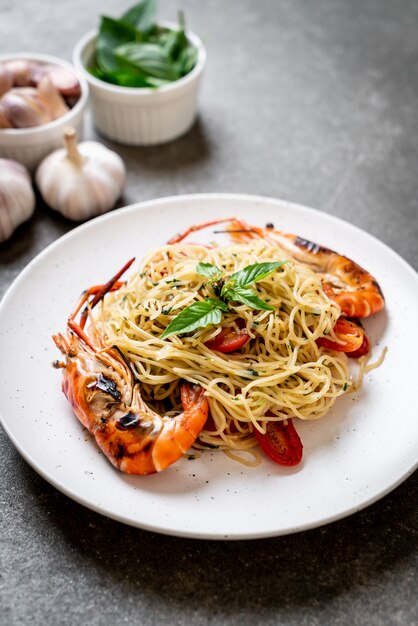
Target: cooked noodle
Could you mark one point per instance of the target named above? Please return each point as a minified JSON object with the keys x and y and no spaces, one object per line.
{"x":280,"y":373}
{"x":366,"y":367}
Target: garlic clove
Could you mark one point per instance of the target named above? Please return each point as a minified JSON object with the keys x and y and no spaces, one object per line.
{"x":21,"y":71}
{"x":52,"y":98}
{"x":82,"y":180}
{"x":23,"y":108}
{"x":65,"y":81}
{"x":4,"y":122}
{"x":17,"y":199}
{"x":6,"y":79}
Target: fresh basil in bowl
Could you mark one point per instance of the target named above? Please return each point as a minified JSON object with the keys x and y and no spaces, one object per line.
{"x":135,"y":51}
{"x":144,"y":76}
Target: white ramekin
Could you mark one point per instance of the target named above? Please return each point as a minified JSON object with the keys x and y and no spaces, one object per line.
{"x":141,"y":116}
{"x":30,"y":145}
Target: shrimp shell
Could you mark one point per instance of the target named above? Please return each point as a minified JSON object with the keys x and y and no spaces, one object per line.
{"x":106,"y":397}
{"x":353,"y":288}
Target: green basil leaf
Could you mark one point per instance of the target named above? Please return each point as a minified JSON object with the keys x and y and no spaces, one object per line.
{"x":187,"y":60}
{"x":208,"y":269}
{"x":112,"y":33}
{"x":197,"y":315}
{"x":141,"y":16}
{"x":246,"y":296}
{"x":173,"y":42}
{"x":148,"y":58}
{"x":122,"y":78}
{"x":151,"y":81}
{"x":254,"y":273}
{"x":222,"y":305}
{"x":168,"y":41}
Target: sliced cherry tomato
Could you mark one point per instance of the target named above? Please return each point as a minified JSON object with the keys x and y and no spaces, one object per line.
{"x":228,"y":340}
{"x":281,"y":443}
{"x":364,"y":349}
{"x":351,"y":336}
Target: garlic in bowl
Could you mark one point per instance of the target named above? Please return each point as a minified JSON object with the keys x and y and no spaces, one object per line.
{"x":81,"y":181}
{"x":144,"y":76}
{"x":39,"y":96}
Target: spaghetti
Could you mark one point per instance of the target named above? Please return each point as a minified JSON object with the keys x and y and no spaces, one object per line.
{"x":279,"y":373}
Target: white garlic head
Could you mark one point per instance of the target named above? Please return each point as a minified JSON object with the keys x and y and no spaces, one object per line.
{"x":81,"y":181}
{"x":17,"y":200}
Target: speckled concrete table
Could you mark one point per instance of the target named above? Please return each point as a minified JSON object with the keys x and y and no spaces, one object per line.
{"x":311,"y":102}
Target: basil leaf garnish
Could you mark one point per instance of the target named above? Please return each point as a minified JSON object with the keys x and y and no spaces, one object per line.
{"x":233,"y":288}
{"x":208,"y":269}
{"x":197,"y":315}
{"x":254,"y":273}
{"x":246,"y":296}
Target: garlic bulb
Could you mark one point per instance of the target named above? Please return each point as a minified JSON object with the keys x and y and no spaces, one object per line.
{"x":81,"y":181}
{"x":17,"y":200}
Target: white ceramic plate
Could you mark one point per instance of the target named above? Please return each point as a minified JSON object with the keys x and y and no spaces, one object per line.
{"x":360,"y":451}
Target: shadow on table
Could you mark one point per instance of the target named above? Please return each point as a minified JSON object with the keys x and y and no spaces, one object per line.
{"x":228,"y":579}
{"x":188,"y":151}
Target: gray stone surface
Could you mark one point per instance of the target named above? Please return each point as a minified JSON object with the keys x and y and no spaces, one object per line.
{"x":315,"y":102}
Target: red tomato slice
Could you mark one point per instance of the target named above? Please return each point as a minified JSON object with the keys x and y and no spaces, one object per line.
{"x":351,"y":336}
{"x":281,"y":443}
{"x":364,"y":349}
{"x":228,"y":340}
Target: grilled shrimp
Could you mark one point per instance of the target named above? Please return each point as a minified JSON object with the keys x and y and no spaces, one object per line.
{"x":106,"y":397}
{"x":349,"y":285}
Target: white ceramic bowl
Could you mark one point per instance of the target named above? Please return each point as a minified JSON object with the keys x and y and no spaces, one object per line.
{"x":30,"y":145}
{"x":141,"y":116}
